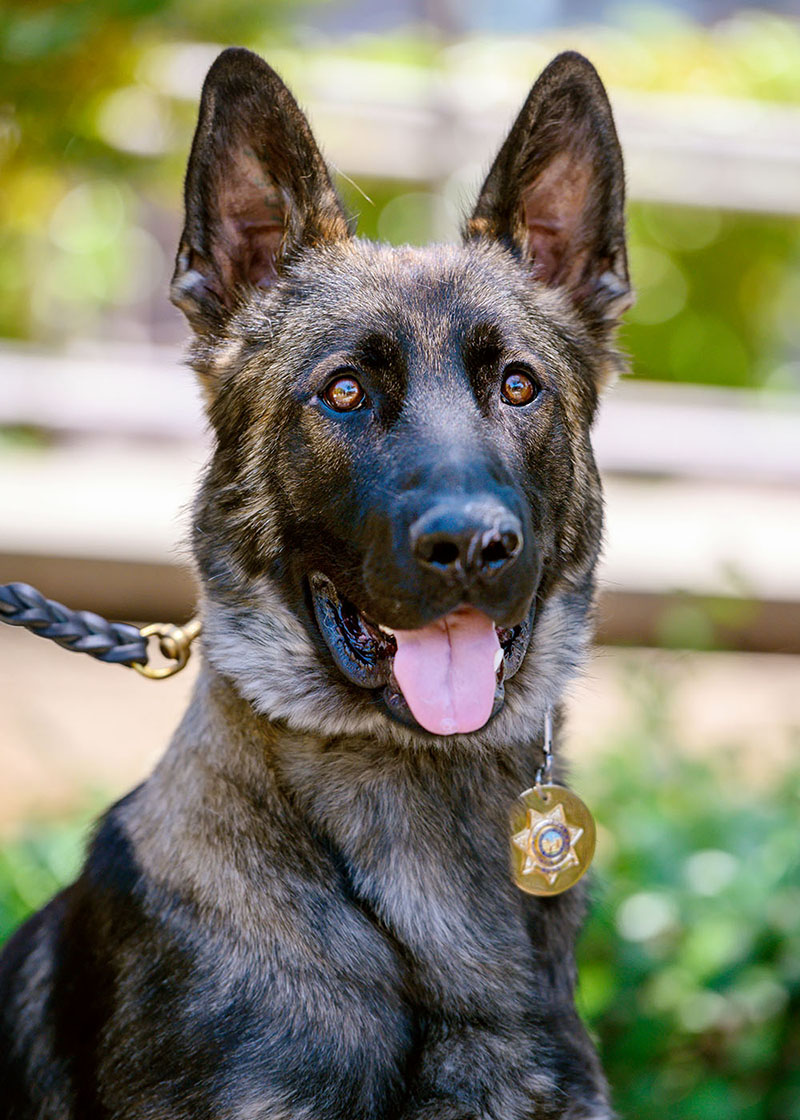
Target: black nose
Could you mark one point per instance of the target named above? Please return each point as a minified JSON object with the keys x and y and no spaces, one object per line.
{"x":467,"y":539}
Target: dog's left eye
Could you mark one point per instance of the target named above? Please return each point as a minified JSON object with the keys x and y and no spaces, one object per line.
{"x":343,"y":393}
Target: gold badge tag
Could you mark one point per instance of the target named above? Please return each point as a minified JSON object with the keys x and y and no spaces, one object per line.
{"x":552,"y":839}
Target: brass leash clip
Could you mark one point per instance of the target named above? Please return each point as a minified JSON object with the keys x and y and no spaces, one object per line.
{"x":175,"y":643}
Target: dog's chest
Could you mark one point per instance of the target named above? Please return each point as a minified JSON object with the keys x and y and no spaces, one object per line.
{"x":423,"y":929}
{"x":357,"y":911}
{"x":425,"y":850}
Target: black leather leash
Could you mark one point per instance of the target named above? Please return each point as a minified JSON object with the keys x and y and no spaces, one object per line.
{"x":118,"y":643}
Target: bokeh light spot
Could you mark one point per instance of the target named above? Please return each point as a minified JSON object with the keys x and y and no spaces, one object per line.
{"x":646,"y":915}
{"x":134,"y":120}
{"x":710,"y":871}
{"x":661,"y":288}
{"x":88,"y":218}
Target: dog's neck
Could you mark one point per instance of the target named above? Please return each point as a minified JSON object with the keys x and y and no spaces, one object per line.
{"x":222,"y":736}
{"x":370,"y":813}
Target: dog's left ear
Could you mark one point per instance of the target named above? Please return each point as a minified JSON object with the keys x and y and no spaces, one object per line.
{"x":257,"y":189}
{"x":556,"y":191}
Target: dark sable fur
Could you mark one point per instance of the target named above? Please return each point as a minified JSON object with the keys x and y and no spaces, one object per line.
{"x":306,"y":912}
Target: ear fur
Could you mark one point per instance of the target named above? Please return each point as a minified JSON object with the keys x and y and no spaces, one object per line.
{"x":256,"y":190}
{"x":556,"y":191}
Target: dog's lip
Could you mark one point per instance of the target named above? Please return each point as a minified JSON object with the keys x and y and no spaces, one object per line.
{"x":363,"y":649}
{"x":362,"y":652}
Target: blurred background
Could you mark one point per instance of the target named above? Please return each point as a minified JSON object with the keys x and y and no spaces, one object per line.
{"x":684,"y":731}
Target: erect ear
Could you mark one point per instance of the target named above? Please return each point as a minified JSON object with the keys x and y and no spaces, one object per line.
{"x":257,"y":189}
{"x":556,"y":192}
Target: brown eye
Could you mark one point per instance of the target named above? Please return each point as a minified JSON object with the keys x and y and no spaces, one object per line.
{"x":519,"y":387}
{"x":344,"y":394}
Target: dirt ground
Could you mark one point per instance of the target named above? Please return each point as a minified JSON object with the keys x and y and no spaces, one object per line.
{"x":72,"y":729}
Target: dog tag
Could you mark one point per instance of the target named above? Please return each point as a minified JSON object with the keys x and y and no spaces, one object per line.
{"x":552,"y":839}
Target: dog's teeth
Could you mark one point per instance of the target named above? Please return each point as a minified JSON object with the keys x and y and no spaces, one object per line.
{"x":498,"y":659}
{"x":386,"y":630}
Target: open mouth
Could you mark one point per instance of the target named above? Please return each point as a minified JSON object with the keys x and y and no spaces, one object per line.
{"x":447,"y":677}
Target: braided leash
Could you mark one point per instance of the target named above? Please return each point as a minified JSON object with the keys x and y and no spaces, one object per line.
{"x":118,"y":643}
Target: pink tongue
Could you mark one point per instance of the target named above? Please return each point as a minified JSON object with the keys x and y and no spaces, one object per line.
{"x":447,"y":671}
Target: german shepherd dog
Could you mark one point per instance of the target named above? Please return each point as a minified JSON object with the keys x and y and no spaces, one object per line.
{"x":306,"y":912}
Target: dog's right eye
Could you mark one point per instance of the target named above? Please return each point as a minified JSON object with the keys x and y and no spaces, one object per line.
{"x":343,"y":393}
{"x":519,"y":386}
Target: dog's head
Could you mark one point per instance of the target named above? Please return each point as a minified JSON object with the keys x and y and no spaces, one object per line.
{"x":400,"y":522}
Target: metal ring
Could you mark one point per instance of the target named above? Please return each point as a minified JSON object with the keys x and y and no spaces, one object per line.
{"x":175,"y":644}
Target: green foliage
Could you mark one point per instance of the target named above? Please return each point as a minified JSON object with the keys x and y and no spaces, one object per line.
{"x":690,"y":963}
{"x":36,"y":864}
{"x":717,"y":295}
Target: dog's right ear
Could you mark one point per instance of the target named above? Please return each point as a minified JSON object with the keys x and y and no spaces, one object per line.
{"x":257,"y":189}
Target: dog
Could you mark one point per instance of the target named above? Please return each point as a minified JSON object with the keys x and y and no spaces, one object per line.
{"x":306,"y":911}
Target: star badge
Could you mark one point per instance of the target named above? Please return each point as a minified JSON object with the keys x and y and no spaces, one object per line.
{"x":548,"y":841}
